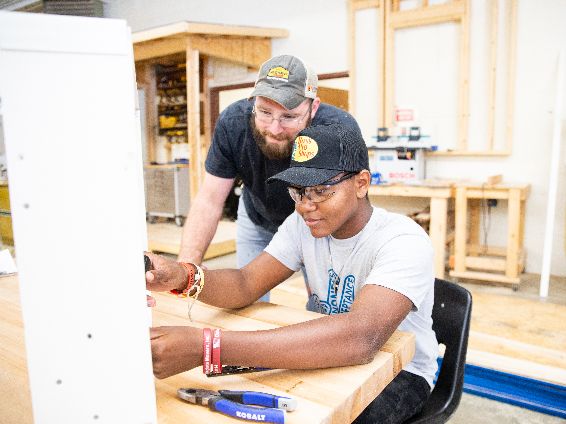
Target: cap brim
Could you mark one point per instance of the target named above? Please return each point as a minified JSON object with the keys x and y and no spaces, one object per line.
{"x":304,"y":177}
{"x":283,"y":96}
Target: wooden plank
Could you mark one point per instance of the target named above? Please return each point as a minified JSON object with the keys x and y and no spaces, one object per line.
{"x":184,"y":28}
{"x":437,"y":232}
{"x":395,"y":5}
{"x":485,"y":263}
{"x":291,"y":293}
{"x":352,"y":57}
{"x":522,"y":224}
{"x":158,"y":48}
{"x":464,"y":76}
{"x":193,"y":120}
{"x":409,"y":191}
{"x":474,"y":230}
{"x":205,"y":98}
{"x":15,"y":396}
{"x":496,"y":192}
{"x":146,"y":76}
{"x":517,"y":366}
{"x":389,"y":68}
{"x":248,"y":51}
{"x":470,"y":153}
{"x":511,"y":72}
{"x":220,"y":248}
{"x":166,"y":238}
{"x":363,"y":4}
{"x":495,"y":179}
{"x":485,"y":276}
{"x":381,"y":63}
{"x":517,"y":349}
{"x":477,"y":249}
{"x":521,"y":328}
{"x":460,"y":230}
{"x":435,"y":14}
{"x":492,"y":74}
{"x":513,"y":233}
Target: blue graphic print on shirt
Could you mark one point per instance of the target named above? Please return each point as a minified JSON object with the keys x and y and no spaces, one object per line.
{"x":332,"y":305}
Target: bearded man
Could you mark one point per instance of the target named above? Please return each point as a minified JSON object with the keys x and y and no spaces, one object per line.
{"x":253,"y":140}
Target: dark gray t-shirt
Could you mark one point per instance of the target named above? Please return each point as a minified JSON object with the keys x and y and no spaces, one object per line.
{"x":234,"y":153}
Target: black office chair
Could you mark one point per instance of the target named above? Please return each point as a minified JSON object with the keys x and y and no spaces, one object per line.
{"x":451,"y":315}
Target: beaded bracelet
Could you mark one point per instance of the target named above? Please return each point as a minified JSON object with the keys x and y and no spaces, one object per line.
{"x":195,"y":289}
{"x":190,"y":280}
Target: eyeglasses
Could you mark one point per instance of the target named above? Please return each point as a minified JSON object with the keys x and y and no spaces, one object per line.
{"x":319,"y":193}
{"x":286,"y":121}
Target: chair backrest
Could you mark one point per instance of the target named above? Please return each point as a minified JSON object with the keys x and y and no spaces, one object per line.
{"x":451,"y":316}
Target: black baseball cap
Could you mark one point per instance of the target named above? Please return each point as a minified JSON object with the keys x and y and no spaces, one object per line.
{"x":323,"y":151}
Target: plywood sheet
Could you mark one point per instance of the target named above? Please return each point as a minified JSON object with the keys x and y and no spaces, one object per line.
{"x":166,"y":238}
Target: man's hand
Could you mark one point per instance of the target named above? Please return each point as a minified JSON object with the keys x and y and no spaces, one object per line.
{"x":175,"y":350}
{"x":165,"y":274}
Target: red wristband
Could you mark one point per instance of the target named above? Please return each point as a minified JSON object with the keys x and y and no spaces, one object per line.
{"x":216,"y":363}
{"x":206,"y":350}
{"x":190,"y":280}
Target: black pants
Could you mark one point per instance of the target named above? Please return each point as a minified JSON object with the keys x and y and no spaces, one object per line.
{"x":404,"y":397}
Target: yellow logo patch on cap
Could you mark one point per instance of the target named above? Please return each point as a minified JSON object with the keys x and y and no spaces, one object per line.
{"x":278,"y":72}
{"x":304,"y":149}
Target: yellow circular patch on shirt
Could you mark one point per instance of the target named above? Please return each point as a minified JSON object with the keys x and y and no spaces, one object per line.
{"x":305,"y":148}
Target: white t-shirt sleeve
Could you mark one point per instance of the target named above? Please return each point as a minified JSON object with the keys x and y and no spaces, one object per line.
{"x":285,"y":246}
{"x":405,"y":264}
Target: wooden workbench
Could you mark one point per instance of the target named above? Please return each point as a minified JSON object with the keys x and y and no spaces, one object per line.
{"x":334,"y":395}
{"x":438,"y":193}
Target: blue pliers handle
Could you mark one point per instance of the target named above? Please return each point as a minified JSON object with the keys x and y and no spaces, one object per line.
{"x":247,"y":405}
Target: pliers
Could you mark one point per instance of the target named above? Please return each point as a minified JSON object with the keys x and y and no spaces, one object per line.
{"x":239,"y":404}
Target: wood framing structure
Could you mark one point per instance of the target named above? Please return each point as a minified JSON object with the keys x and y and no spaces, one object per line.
{"x":194,"y":43}
{"x":391,"y":16}
{"x":476,"y":261}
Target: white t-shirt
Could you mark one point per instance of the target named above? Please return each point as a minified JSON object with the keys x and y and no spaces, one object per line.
{"x":391,"y":251}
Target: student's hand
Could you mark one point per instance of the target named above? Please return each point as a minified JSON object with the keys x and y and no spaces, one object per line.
{"x":175,"y":350}
{"x":165,"y":274}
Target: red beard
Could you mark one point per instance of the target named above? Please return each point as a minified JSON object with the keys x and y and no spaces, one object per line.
{"x":273,"y":151}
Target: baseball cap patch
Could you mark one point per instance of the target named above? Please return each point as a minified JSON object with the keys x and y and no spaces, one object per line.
{"x":279,"y":73}
{"x":304,"y":149}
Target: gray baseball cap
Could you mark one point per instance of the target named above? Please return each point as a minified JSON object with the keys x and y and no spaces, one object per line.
{"x":286,"y":80}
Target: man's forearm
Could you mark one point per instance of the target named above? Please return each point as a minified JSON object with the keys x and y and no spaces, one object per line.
{"x":199,"y":229}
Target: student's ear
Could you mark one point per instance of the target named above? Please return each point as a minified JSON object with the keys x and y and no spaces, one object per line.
{"x":363,"y":180}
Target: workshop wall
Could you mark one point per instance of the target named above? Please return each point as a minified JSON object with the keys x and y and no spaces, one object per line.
{"x":540,"y":35}
{"x":318,"y":32}
{"x":317,"y":28}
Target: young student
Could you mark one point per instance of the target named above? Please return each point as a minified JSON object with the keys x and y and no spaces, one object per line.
{"x":369,"y":272}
